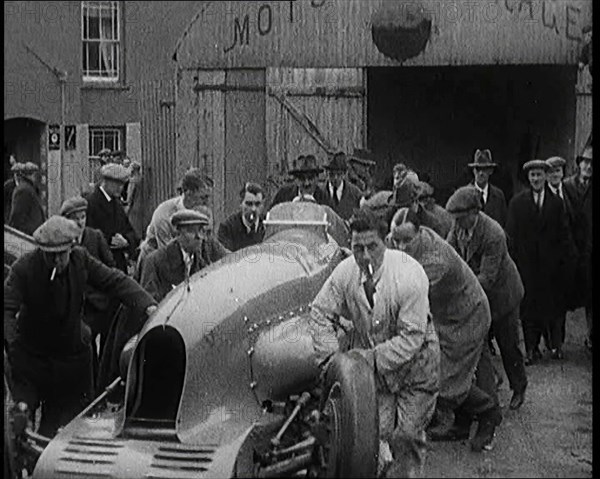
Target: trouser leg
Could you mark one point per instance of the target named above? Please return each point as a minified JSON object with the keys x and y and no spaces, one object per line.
{"x":506,"y":330}
{"x":485,"y":378}
{"x":71,"y":390}
{"x":588,"y":320}
{"x":555,"y":330}
{"x":533,"y":328}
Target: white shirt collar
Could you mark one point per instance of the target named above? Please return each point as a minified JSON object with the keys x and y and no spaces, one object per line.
{"x":338,"y":191}
{"x":106,"y":195}
{"x":541,"y":196}
{"x":483,"y":190}
{"x":557,"y":190}
{"x":250,"y":227}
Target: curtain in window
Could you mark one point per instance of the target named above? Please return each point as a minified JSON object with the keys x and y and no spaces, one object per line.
{"x":106,"y":34}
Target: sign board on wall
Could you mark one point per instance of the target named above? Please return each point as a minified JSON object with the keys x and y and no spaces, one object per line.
{"x":54,"y":137}
{"x":362,"y":33}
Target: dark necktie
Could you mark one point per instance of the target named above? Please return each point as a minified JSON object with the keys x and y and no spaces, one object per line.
{"x":369,"y":286}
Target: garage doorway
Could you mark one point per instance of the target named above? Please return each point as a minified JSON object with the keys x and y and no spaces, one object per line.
{"x":433,"y":119}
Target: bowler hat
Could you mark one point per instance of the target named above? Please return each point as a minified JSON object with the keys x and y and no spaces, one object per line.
{"x":115,"y":172}
{"x":305,"y":165}
{"x":17,"y":167}
{"x":188,"y":217}
{"x":464,"y":199}
{"x":56,"y":234}
{"x":482,"y":159}
{"x":73,"y":205}
{"x":337,"y":162}
{"x":535,"y":164}
{"x":556,"y":162}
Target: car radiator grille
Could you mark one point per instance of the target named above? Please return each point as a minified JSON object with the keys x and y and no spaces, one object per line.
{"x":180,"y":462}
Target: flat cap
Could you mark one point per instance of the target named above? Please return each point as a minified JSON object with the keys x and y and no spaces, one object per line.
{"x":189,"y":217}
{"x":29,"y":167}
{"x":555,"y":162}
{"x":17,"y":167}
{"x":535,"y":164}
{"x":73,"y":205}
{"x":56,"y":234}
{"x":115,"y":172}
{"x":194,"y":178}
{"x":464,"y":199}
{"x":105,"y":152}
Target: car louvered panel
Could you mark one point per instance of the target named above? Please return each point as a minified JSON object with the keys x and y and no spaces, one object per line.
{"x":180,"y":462}
{"x":89,"y":458}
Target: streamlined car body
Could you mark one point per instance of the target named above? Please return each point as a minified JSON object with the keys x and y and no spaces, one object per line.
{"x":222,"y":382}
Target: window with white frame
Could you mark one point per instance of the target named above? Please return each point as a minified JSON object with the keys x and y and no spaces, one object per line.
{"x":105,"y":137}
{"x":100,"y":34}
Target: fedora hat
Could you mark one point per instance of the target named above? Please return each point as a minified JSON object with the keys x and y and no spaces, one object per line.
{"x":362,"y":157}
{"x":337,"y":162}
{"x":482,"y":159}
{"x":305,"y":165}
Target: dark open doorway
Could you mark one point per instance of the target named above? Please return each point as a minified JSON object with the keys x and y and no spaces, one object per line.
{"x":433,"y":118}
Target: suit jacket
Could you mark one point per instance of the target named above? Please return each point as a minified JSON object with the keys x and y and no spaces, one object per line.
{"x":289,"y":192}
{"x":95,"y":244}
{"x":579,"y":206}
{"x":487,"y":255}
{"x":110,"y":218}
{"x":164,"y":268}
{"x":50,"y":312}
{"x":234,"y":236}
{"x":350,"y":200}
{"x":539,"y":243}
{"x":26,"y":213}
{"x":9,"y":188}
{"x":495,"y":206}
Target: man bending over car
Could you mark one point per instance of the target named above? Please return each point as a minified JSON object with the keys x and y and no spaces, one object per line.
{"x":384,"y":293}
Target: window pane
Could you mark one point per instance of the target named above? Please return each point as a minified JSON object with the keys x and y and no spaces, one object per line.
{"x":94,"y":27}
{"x":101,"y":30}
{"x":94,"y":60}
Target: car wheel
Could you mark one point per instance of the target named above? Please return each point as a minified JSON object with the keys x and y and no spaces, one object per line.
{"x":349,"y":406}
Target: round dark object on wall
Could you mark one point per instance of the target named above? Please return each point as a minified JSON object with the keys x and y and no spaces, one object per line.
{"x":401,"y":30}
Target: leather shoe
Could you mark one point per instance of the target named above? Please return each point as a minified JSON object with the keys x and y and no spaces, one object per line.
{"x":486,"y":429}
{"x":517,"y":400}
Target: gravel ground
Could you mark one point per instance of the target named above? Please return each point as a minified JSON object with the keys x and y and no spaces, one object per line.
{"x":550,"y":436}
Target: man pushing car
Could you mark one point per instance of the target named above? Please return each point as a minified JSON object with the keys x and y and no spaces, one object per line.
{"x":384,"y":293}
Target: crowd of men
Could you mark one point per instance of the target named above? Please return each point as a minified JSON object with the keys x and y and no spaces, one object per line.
{"x":435,"y":285}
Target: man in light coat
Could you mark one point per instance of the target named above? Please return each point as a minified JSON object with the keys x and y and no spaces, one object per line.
{"x":384,"y":293}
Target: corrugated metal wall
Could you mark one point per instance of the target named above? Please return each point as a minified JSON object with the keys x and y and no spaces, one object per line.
{"x":584,"y":115}
{"x":333,"y":100}
{"x":201,"y":130}
{"x":158,"y":130}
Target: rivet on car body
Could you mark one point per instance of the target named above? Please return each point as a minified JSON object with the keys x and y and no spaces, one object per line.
{"x":245,"y":319}
{"x":250,"y":351}
{"x":253,"y":384}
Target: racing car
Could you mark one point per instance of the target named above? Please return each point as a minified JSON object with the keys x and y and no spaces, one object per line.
{"x":221,"y":381}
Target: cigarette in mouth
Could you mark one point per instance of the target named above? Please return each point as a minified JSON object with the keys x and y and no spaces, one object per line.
{"x":53,"y":274}
{"x":370,"y":268}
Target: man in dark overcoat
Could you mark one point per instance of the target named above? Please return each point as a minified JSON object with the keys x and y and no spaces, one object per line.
{"x":165,"y":268}
{"x":190,"y":251}
{"x":26,"y":212}
{"x":538,"y":235}
{"x":344,"y":197}
{"x":105,"y":212}
{"x":245,"y":227}
{"x":98,"y":307}
{"x":494,"y":202}
{"x":9,"y":188}
{"x":306,"y":173}
{"x":47,"y":343}
{"x":481,"y":242}
{"x":578,"y":188}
